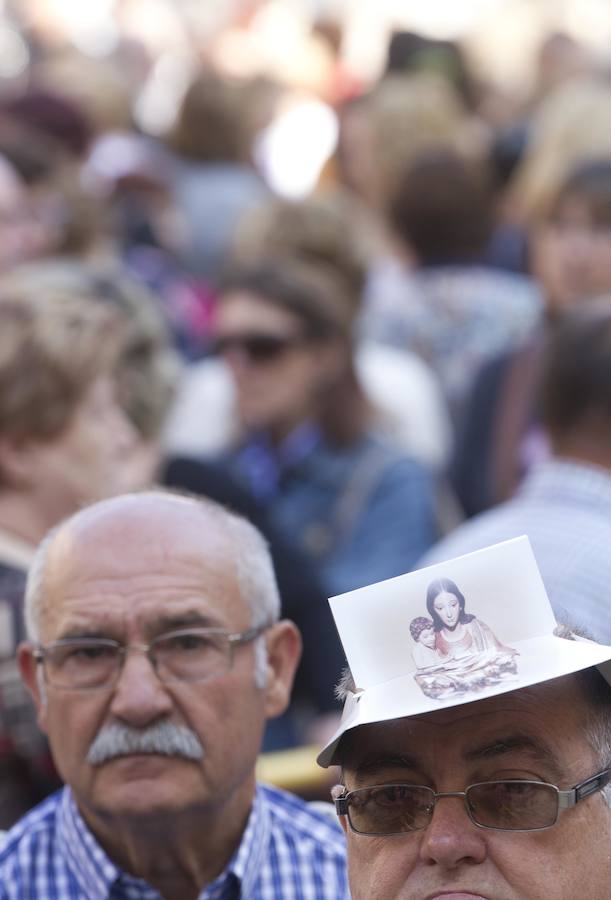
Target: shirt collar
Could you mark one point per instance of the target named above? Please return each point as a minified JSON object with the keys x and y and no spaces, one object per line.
{"x":249,"y":857}
{"x":96,"y":874}
{"x":562,"y":476}
{"x":89,"y":864}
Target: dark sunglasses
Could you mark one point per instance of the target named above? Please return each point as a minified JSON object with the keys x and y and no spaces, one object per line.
{"x":257,"y":347}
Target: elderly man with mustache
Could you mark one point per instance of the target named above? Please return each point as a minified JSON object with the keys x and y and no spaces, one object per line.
{"x":155,"y":657}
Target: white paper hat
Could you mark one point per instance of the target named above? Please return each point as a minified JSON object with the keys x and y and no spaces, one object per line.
{"x":452,"y":633}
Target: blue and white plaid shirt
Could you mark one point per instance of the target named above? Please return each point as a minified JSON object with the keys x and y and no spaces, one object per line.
{"x":287,"y":851}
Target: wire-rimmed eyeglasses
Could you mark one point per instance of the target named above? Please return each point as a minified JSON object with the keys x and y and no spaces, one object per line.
{"x":507,"y":805}
{"x":187,"y":654}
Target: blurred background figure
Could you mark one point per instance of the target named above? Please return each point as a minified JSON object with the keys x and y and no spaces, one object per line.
{"x":329,"y":230}
{"x":570,"y":245}
{"x":569,"y":125}
{"x":454,"y":308}
{"x":24,"y":233}
{"x":341,"y":439}
{"x":64,"y":442}
{"x":564,"y":503}
{"x":306,"y":446}
{"x":383,"y":131}
{"x":560,"y":58}
{"x":214,"y":180}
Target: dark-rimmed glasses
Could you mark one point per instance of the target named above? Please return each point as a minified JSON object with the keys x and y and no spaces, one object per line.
{"x":187,"y":654}
{"x":508,"y":805}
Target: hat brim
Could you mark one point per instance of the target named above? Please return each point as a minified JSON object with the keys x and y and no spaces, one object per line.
{"x":541,"y":659}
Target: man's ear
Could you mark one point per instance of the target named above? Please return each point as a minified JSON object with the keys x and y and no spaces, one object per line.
{"x":283,"y":655}
{"x":31,"y":675}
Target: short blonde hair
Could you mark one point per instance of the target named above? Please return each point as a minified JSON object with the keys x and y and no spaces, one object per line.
{"x":147,"y":366}
{"x":53,"y":346}
{"x":411,"y":114}
{"x":324,"y":230}
{"x":571,"y":126}
{"x":213,"y":124}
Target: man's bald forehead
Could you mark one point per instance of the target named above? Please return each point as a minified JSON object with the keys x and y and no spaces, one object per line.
{"x":153,"y":512}
{"x":161,"y":525}
{"x":148,"y":534}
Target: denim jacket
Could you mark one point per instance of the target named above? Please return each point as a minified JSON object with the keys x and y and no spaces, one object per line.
{"x":364,"y":513}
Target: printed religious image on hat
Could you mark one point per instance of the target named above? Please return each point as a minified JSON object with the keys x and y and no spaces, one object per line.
{"x":452,"y":633}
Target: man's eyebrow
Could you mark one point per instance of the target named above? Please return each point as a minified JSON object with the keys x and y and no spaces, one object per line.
{"x":173,"y":621}
{"x":165,"y":622}
{"x":84,"y":633}
{"x":517,"y":743}
{"x":370,"y":767}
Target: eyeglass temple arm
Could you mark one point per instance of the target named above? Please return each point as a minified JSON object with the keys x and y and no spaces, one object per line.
{"x":249,"y":635}
{"x":341,"y":805}
{"x":566,"y":799}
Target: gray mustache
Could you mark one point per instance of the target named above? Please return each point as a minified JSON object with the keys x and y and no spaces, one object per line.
{"x":164,"y":738}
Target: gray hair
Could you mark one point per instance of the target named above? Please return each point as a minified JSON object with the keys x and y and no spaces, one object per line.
{"x":252,"y":560}
{"x":597,"y":731}
{"x":345,"y":685}
{"x":597,"y":691}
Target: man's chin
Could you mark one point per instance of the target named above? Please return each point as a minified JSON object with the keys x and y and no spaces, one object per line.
{"x":146,"y":797}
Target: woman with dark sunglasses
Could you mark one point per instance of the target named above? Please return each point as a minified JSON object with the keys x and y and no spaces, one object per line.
{"x":307,"y":445}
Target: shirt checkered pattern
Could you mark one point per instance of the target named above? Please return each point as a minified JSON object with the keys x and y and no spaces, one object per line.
{"x":287,"y":852}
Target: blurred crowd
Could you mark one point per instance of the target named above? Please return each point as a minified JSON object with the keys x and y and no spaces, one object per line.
{"x":325,"y":303}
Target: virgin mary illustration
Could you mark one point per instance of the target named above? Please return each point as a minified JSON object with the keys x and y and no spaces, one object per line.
{"x":468,"y":655}
{"x":457,"y":633}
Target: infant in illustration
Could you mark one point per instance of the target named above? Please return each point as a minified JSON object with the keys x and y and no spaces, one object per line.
{"x":424,"y":652}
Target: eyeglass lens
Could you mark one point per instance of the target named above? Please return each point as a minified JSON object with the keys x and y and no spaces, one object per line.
{"x":507,"y":805}
{"x":183,"y":656}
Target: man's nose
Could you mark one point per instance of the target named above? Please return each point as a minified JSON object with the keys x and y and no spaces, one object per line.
{"x":451,"y":839}
{"x":139,"y":697}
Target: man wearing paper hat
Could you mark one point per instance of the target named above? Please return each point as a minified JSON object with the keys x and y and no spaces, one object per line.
{"x":479,"y":769}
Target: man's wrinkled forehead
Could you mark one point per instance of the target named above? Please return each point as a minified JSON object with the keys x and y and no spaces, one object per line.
{"x":526,"y":717}
{"x":152,"y":534}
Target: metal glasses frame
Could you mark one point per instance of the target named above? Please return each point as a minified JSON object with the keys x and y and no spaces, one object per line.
{"x":565,"y":800}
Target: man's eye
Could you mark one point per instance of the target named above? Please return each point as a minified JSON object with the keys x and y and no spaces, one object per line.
{"x":390,"y":795}
{"x":188,"y":643}
{"x":503,"y":794}
{"x":399,"y":795}
{"x":515,"y":788}
{"x":88,"y":653}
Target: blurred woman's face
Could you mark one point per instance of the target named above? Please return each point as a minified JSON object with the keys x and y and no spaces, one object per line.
{"x":571,"y":256}
{"x":278,"y":372}
{"x":88,"y":460}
